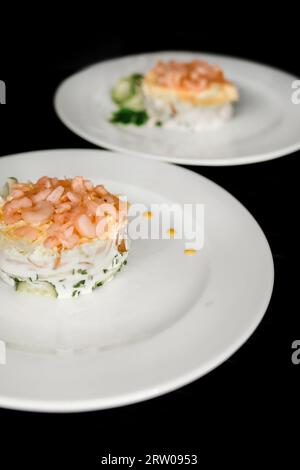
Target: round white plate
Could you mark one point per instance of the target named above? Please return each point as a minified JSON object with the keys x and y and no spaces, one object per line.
{"x":164,"y":321}
{"x":266,"y":123}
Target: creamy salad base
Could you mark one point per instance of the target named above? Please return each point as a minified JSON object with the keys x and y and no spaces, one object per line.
{"x":184,"y":116}
{"x":80,"y":270}
{"x":30,"y":266}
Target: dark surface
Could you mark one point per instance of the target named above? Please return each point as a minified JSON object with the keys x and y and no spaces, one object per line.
{"x":248,"y":403}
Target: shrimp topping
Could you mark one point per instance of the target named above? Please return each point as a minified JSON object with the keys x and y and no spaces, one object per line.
{"x":61,"y":213}
{"x":196,"y":75}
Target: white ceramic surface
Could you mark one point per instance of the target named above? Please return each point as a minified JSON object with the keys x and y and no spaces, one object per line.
{"x":266,"y":124}
{"x":163,"y":322}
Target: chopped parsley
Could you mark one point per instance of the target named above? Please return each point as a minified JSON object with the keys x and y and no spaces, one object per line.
{"x":98,"y":284}
{"x":127,"y":95}
{"x":137,"y":78}
{"x":129,"y":116}
{"x":82,"y":271}
{"x":17,"y":281}
{"x":79,"y":284}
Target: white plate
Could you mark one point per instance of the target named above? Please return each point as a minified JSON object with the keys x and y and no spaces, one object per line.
{"x":266,"y":124}
{"x":164,"y":321}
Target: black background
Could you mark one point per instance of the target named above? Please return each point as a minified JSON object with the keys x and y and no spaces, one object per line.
{"x":247,"y":409}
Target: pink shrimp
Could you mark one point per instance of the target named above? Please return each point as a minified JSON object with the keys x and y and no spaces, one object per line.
{"x":12,"y":219}
{"x":59,"y":219}
{"x":16,"y":194}
{"x":194,"y":75}
{"x":44,"y":182}
{"x":74,"y":214}
{"x":68,"y":230}
{"x":41,"y":195}
{"x":54,"y":181}
{"x":40,"y":213}
{"x":70,"y":242}
{"x":27,"y":232}
{"x":77,"y":184}
{"x":63,"y":207}
{"x":17,"y":204}
{"x":85,"y":227}
{"x":51,"y":242}
{"x":21,"y":186}
{"x":88,"y":185}
{"x":11,"y":208}
{"x":91,"y":206}
{"x":102,"y":226}
{"x":56,"y":194}
{"x":105,"y":209}
{"x":54,"y":229}
{"x":74,"y":198}
{"x":73,"y":209}
{"x":100,"y":190}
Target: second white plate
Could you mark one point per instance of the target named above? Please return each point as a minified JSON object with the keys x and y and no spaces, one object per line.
{"x":266,"y":124}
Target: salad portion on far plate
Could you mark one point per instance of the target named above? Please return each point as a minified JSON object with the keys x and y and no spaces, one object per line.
{"x":190,"y":96}
{"x":183,"y":107}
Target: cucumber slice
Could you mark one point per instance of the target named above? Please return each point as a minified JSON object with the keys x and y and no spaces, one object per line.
{"x":127,"y":88}
{"x":7,"y":278}
{"x":122,"y":90}
{"x":7,"y":188}
{"x":45,"y":289}
{"x":135,"y":103}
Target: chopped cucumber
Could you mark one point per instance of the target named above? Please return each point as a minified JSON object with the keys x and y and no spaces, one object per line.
{"x":45,"y":289}
{"x":127,"y":88}
{"x":135,"y":102}
{"x":7,"y":278}
{"x":122,"y":91}
{"x":7,"y":188}
{"x":127,"y":94}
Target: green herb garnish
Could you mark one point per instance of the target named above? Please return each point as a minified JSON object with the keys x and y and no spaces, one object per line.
{"x":129,"y":116}
{"x":82,"y":271}
{"x":98,"y":284}
{"x":137,"y":78}
{"x":17,"y":282}
{"x":79,"y":284}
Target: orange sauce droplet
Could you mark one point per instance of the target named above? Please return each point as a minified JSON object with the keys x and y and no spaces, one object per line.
{"x":190,"y":251}
{"x":122,"y":247}
{"x":171,"y":232}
